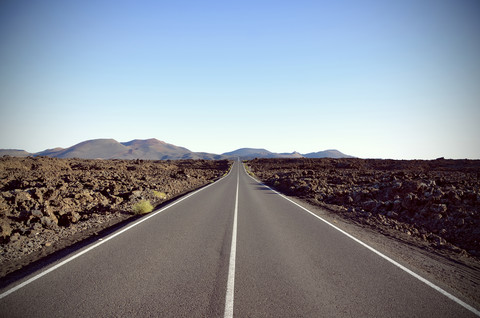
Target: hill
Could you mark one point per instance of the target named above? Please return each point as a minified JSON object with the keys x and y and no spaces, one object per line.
{"x":252,"y":153}
{"x":14,"y":153}
{"x":249,"y":153}
{"x":331,"y":153}
{"x":153,"y":149}
{"x":90,"y":149}
{"x":149,"y":149}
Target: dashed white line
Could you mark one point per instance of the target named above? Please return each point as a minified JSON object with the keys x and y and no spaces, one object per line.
{"x":231,"y":267}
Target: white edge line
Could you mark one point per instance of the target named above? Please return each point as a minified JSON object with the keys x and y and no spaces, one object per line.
{"x":231,"y":266}
{"x":104,"y":240}
{"x":424,"y":280}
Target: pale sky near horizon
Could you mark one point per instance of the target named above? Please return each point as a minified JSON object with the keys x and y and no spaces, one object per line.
{"x":373,"y":79}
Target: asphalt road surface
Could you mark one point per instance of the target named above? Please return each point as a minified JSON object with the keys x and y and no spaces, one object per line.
{"x":232,"y":248}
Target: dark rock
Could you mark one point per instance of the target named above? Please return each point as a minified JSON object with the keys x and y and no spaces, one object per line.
{"x":48,"y":223}
{"x":36,"y":213}
{"x":5,"y":228}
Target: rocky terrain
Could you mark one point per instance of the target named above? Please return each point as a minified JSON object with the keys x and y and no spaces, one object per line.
{"x":48,"y":203}
{"x":436,"y":203}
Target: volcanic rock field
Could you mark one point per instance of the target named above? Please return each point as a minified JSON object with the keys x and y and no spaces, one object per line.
{"x":47,"y":204}
{"x":436,"y":203}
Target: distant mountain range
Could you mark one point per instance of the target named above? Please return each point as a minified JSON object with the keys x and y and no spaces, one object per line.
{"x":250,"y":153}
{"x":153,"y":149}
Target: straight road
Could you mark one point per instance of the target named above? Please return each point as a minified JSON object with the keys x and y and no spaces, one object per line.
{"x":234,"y":248}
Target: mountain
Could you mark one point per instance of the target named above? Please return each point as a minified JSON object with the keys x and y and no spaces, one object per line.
{"x":90,"y":149}
{"x":14,"y":153}
{"x":251,"y":153}
{"x":331,"y":153}
{"x":289,"y":155}
{"x":153,"y":149}
{"x":49,"y":152}
{"x":206,"y":156}
{"x":149,"y":149}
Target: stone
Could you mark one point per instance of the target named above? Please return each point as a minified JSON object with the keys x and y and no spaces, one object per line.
{"x":38,"y":195}
{"x":37,"y":227}
{"x":48,"y":223}
{"x":440,"y":241}
{"x":5,"y":228}
{"x":15,"y":237}
{"x":36,"y":213}
{"x":392,"y":214}
{"x":75,"y":217}
{"x":408,"y":201}
{"x":50,"y":213}
{"x":370,"y":205}
{"x":438,"y":208}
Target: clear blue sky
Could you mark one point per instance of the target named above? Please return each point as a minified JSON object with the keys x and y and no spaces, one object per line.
{"x":390,"y":79}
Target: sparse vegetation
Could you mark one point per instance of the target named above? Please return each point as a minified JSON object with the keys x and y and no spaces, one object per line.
{"x":228,"y":171}
{"x":247,"y":169}
{"x":160,"y":195}
{"x":142,"y":207}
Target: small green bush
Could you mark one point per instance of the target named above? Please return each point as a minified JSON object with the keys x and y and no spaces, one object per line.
{"x":142,"y":207}
{"x":247,"y":169}
{"x":160,"y":195}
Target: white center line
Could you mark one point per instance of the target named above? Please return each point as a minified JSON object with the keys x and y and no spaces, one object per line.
{"x":231,"y":266}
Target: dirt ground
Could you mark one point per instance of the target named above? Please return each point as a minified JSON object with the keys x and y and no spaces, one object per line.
{"x":425,"y":213}
{"x":47,"y":204}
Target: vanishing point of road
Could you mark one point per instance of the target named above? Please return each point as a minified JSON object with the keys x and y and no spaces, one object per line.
{"x":232,"y":249}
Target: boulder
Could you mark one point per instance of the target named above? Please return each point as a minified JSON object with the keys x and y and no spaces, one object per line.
{"x":5,"y":229}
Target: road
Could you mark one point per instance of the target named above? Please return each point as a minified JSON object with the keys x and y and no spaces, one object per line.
{"x":178,"y":262}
